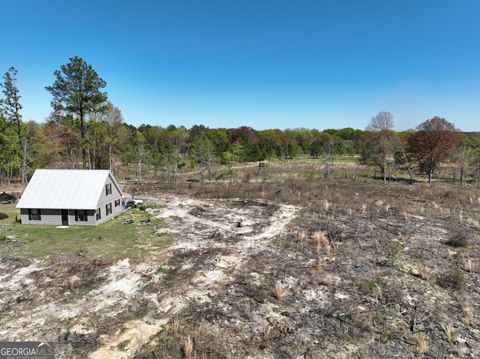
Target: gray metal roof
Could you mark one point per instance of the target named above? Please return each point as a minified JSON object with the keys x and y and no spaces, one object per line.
{"x":65,"y":189}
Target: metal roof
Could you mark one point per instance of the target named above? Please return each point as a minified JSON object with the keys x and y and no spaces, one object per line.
{"x":65,"y":189}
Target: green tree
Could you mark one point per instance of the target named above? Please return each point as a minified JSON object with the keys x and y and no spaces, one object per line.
{"x":17,"y":142}
{"x":11,"y":102}
{"x":77,"y":92}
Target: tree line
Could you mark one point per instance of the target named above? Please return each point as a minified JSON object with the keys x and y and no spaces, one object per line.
{"x":85,"y":130}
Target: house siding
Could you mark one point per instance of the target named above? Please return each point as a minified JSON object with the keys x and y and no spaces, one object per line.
{"x":53,"y":217}
{"x":90,"y":218}
{"x":48,"y":216}
{"x":106,"y":199}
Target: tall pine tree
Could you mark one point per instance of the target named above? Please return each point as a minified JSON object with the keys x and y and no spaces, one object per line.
{"x":77,"y":92}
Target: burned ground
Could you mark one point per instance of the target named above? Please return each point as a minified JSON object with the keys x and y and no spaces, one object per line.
{"x":286,"y":268}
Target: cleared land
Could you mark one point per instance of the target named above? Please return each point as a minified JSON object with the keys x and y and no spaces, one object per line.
{"x":282,"y":264}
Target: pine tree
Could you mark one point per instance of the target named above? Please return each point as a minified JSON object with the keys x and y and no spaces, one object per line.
{"x":77,"y":93}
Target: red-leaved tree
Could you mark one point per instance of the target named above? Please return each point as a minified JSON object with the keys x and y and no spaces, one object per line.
{"x":432,"y":143}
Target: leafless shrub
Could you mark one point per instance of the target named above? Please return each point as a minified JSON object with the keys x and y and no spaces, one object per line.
{"x":364,"y":319}
{"x":279,"y":291}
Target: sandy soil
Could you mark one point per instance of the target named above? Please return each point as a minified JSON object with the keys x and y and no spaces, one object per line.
{"x":232,"y":230}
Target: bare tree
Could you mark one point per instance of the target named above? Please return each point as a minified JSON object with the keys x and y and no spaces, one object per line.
{"x":379,"y":142}
{"x":381,"y":122}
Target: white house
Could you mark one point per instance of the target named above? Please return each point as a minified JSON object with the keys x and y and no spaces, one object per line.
{"x":70,"y":197}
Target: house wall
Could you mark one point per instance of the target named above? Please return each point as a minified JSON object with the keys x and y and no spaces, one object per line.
{"x":90,"y":218}
{"x":53,"y":217}
{"x":48,"y":216}
{"x":104,"y":200}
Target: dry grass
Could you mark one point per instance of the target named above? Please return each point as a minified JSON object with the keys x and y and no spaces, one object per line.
{"x":468,"y":264}
{"x":300,"y":237}
{"x":469,"y":318}
{"x":423,"y":272}
{"x":188,"y":348}
{"x":450,"y":333}
{"x":318,"y":265}
{"x":364,"y":209}
{"x":279,"y":292}
{"x":321,"y":241}
{"x":378,"y":293}
{"x":175,"y":327}
{"x":421,"y":343}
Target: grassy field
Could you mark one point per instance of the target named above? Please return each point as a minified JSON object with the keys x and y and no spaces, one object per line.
{"x":111,"y":240}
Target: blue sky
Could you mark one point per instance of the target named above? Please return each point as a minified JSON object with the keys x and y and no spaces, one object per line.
{"x":266,"y":64}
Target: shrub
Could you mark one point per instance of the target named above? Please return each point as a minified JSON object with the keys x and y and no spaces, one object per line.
{"x":3,"y":215}
{"x":457,"y":240}
{"x":453,"y":279}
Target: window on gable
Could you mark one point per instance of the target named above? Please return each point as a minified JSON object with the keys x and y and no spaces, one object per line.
{"x":117,"y":202}
{"x":108,"y":209}
{"x":34,"y":214}
{"x":98,"y":214}
{"x":81,"y":215}
{"x":108,"y":189}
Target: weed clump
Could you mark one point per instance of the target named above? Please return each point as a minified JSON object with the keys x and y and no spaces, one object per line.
{"x":458,"y":240}
{"x":452,"y":279}
{"x":279,"y":291}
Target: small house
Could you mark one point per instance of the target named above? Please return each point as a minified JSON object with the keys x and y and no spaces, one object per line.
{"x":64,"y":197}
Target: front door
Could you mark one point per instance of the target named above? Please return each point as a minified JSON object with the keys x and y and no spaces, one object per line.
{"x":64,"y":217}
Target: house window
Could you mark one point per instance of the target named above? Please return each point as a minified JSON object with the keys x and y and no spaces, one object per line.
{"x":117,"y":203}
{"x":81,"y":215}
{"x":34,"y":215}
{"x":98,"y":214}
{"x":108,"y":209}
{"x":108,"y":189}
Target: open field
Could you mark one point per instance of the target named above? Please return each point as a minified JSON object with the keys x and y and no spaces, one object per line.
{"x":278,"y":264}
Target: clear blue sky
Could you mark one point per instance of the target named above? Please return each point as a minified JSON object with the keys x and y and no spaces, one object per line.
{"x":266,"y":64}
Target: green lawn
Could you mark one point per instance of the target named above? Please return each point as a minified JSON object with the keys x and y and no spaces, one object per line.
{"x":112,"y":240}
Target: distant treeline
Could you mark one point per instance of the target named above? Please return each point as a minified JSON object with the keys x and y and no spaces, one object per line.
{"x":86,"y":130}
